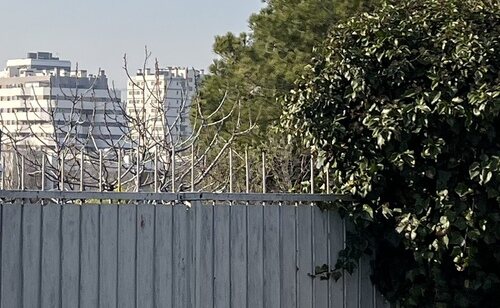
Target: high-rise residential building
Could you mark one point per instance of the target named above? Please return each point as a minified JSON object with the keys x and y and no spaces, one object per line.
{"x":158,"y":102}
{"x":43,"y":103}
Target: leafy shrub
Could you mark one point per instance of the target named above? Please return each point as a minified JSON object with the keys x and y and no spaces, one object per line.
{"x":403,"y":106}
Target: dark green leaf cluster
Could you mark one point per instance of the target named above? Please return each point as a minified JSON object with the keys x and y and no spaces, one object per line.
{"x":403,"y":104}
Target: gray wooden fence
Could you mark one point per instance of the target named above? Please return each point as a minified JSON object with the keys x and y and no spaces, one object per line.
{"x":145,"y":255}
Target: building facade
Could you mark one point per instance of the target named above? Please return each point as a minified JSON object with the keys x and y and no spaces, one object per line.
{"x":158,"y":103}
{"x":43,"y":103}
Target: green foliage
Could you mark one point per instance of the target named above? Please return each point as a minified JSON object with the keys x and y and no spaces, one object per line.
{"x":254,"y":69}
{"x":404,"y":104}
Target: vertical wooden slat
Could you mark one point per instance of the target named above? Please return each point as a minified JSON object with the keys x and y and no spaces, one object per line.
{"x":89,"y":256}
{"x":70,"y":255}
{"x":204,"y":255}
{"x":180,"y":252}
{"x":163,"y":256}
{"x":367,"y":290}
{"x":108,"y":257}
{"x":320,"y":257}
{"x":31,"y":255}
{"x":11,"y":287}
{"x":351,"y":281}
{"x":271,"y":256}
{"x":255,"y":256}
{"x":336,"y":239}
{"x":145,"y":241}
{"x":238,"y":256}
{"x":221,"y":256}
{"x":305,"y":265}
{"x":126,"y":255}
{"x":51,"y":246}
{"x":288,"y":256}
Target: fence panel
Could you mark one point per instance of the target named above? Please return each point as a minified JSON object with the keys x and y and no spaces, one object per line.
{"x":164,"y":255}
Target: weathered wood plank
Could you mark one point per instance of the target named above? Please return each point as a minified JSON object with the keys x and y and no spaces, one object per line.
{"x":126,"y":255}
{"x":11,"y":280}
{"x":180,"y":252}
{"x":320,"y":257}
{"x":336,"y":238}
{"x":271,"y":256}
{"x":163,"y":256}
{"x":108,"y":255}
{"x":51,"y":258}
{"x":352,"y":280}
{"x":70,"y":255}
{"x":238,"y":256}
{"x":221,"y":256}
{"x":255,"y":256}
{"x":89,"y":256}
{"x":32,"y":216}
{"x":367,"y":295}
{"x":288,"y":256}
{"x":145,"y":253}
{"x":204,"y":255}
{"x":305,"y":261}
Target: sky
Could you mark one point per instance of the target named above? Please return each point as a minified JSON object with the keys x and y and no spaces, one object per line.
{"x":97,"y":33}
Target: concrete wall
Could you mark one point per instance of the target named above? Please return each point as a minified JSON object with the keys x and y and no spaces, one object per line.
{"x":174,"y":256}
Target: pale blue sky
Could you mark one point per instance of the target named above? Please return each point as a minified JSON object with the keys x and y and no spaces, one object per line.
{"x":96,"y":33}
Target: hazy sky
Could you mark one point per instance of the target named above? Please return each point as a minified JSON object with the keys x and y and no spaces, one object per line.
{"x":96,"y":33}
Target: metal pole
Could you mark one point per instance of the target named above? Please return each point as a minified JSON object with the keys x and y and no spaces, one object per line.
{"x":119,"y":180}
{"x":263,"y":172}
{"x":61,"y":170}
{"x":230,"y":170}
{"x":43,"y":171}
{"x":81,"y":169}
{"x":312,"y":174}
{"x":173,"y":168}
{"x":22,"y":172}
{"x":328,"y":179}
{"x":2,"y":180}
{"x":156,"y":169}
{"x":192,"y":167}
{"x":247,"y":172}
{"x":100,"y":170}
{"x":138,"y":177}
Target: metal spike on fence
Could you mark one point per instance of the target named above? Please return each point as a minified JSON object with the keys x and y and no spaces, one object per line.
{"x":247,"y":172}
{"x":230,"y":170}
{"x":100,"y":170}
{"x":327,"y":179}
{"x":119,"y":171}
{"x":263,"y":172}
{"x":156,"y":169}
{"x":61,"y":170}
{"x":173,"y":168}
{"x":192,"y":167}
{"x":312,"y":174}
{"x":81,"y":169}
{"x":22,"y":172}
{"x":2,"y":180}
{"x":138,"y":176}
{"x":43,"y":171}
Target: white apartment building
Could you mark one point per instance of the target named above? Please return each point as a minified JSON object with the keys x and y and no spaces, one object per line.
{"x":43,"y":103}
{"x":158,"y":103}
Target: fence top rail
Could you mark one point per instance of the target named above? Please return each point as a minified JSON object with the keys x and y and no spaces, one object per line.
{"x":179,"y":196}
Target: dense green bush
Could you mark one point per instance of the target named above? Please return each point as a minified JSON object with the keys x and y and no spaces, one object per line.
{"x":403,"y":106}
